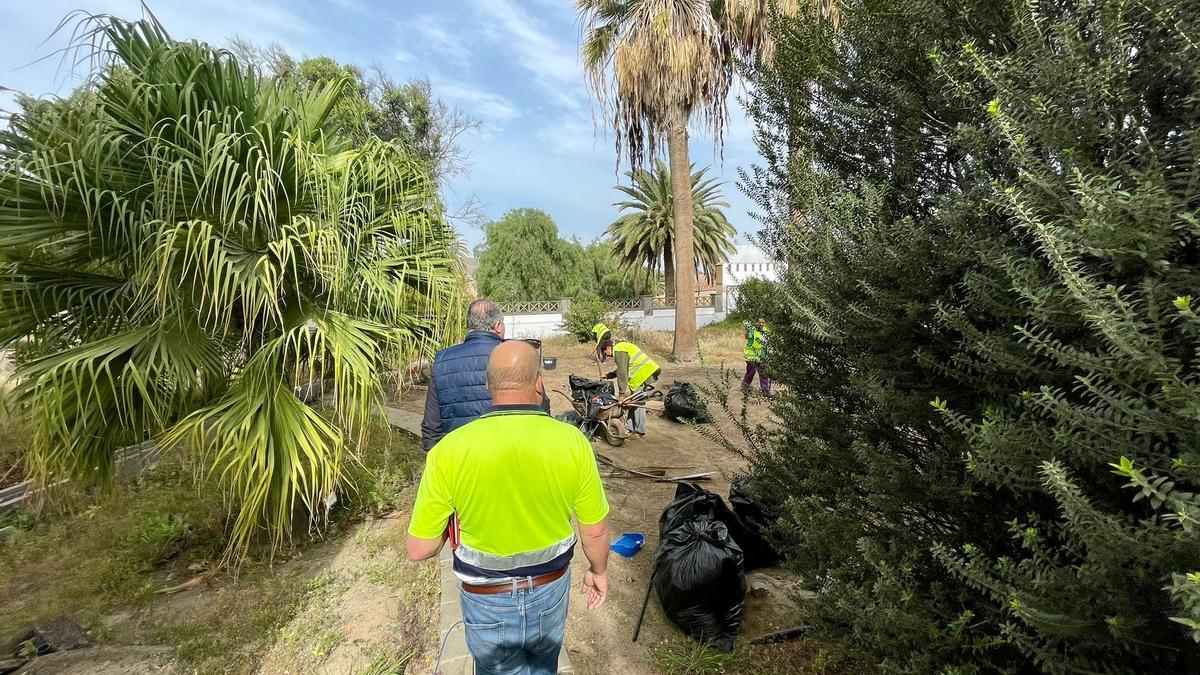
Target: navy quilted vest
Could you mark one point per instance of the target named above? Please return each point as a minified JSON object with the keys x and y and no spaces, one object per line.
{"x":460,"y":375}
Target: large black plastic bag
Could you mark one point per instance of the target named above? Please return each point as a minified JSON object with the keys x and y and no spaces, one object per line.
{"x":683,"y":402}
{"x":754,"y":518}
{"x":693,"y":502}
{"x":699,"y":580}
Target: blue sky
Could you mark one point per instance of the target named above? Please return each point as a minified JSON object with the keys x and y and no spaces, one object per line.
{"x":511,"y":63}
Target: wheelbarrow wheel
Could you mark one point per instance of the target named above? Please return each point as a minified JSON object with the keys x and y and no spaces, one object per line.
{"x":612,"y":432}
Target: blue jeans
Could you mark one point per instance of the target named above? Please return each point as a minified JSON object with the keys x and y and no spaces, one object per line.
{"x":518,"y":632}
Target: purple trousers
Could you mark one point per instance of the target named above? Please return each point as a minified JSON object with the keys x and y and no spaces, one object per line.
{"x":763,"y":380}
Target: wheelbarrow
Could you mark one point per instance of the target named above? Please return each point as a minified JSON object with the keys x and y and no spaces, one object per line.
{"x":599,"y":412}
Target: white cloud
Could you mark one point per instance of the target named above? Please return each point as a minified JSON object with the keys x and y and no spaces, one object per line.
{"x":554,"y":64}
{"x":437,"y":38}
{"x":576,"y":134}
{"x":491,"y":108}
{"x":401,"y":56}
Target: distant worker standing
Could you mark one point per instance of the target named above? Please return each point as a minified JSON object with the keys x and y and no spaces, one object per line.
{"x":756,"y":356}
{"x":514,"y":477}
{"x":634,"y":369}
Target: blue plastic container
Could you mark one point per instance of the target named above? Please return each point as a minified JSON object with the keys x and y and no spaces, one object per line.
{"x":629,"y":543}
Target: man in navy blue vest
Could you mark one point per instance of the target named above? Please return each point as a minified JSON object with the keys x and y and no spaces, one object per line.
{"x":458,"y":390}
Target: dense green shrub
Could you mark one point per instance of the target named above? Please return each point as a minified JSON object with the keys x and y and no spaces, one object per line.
{"x":988,"y":212}
{"x":587,"y":311}
{"x":754,"y":299}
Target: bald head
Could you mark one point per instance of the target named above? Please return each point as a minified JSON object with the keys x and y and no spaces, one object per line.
{"x":513,"y":374}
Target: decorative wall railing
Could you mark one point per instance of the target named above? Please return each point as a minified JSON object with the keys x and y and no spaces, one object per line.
{"x":646,"y":303}
{"x":532,"y":307}
{"x":626,"y":304}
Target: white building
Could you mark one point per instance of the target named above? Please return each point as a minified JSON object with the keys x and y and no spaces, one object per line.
{"x":748,"y":262}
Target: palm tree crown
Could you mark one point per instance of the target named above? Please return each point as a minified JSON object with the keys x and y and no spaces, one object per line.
{"x":185,"y":245}
{"x":643,"y":237}
{"x":656,"y":65}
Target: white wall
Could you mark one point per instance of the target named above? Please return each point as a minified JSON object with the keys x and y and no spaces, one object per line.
{"x":542,"y":326}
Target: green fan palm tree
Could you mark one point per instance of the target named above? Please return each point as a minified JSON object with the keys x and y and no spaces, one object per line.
{"x":186,"y":245}
{"x":643,"y":238}
{"x":655,"y":66}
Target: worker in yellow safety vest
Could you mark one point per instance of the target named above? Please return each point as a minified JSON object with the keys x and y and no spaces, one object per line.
{"x":634,"y":369}
{"x":601,"y":333}
{"x":756,"y":356}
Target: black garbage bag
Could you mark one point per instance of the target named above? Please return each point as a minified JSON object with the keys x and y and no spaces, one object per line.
{"x":693,"y":502}
{"x":582,"y":388}
{"x":683,"y":402}
{"x":699,"y":580}
{"x":754,"y":519}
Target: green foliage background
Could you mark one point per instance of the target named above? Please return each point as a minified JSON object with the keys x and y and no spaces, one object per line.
{"x":988,"y":456}
{"x":524,"y":258}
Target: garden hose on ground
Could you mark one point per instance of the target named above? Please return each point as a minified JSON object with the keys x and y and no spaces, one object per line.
{"x":437,"y":666}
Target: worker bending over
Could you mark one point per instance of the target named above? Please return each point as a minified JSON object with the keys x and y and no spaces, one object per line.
{"x":634,"y":369}
{"x":515,"y":477}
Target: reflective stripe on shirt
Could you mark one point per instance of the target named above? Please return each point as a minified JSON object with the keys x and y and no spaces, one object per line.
{"x":504,"y":563}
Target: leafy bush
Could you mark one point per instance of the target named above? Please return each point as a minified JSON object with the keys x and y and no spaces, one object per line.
{"x":158,"y":538}
{"x":755,"y":298}
{"x":212,"y":244}
{"x":987,"y":457}
{"x":587,"y":311}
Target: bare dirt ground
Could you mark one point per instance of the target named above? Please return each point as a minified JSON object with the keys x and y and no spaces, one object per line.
{"x":600,"y":641}
{"x":368,"y":610}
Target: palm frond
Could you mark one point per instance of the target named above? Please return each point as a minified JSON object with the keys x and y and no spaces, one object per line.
{"x":185,"y":242}
{"x":644,"y":233}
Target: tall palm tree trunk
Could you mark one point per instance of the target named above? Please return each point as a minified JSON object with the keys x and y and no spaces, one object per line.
{"x":669,"y":274}
{"x":685,"y":268}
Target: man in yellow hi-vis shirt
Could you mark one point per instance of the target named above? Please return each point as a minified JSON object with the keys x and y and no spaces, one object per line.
{"x":634,"y":368}
{"x":514,"y":477}
{"x":755,"y":352}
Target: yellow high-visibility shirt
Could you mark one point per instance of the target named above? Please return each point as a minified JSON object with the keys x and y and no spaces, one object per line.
{"x":756,"y":345}
{"x":515,"y":477}
{"x":641,"y":366}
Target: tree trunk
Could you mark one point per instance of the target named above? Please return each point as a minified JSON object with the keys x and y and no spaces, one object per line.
{"x":685,"y":253}
{"x":669,"y":274}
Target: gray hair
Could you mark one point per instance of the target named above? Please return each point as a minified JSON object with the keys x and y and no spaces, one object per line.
{"x":483,"y":315}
